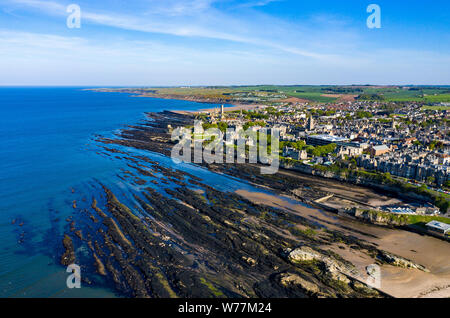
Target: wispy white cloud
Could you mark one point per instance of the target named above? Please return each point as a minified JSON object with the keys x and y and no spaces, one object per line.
{"x":179,"y":8}
{"x":263,"y":49}
{"x":258,"y":3}
{"x":46,"y":59}
{"x":29,"y":58}
{"x":173,"y":17}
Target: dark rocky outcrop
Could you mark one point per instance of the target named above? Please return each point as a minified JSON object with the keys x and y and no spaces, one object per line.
{"x":177,"y":242}
{"x":69,"y":255}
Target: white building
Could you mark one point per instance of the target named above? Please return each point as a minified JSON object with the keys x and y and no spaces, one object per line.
{"x":438,"y":227}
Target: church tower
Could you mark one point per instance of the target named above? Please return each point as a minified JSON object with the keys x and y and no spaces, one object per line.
{"x":310,"y":123}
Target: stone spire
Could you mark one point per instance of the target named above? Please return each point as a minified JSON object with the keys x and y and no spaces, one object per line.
{"x":310,"y":123}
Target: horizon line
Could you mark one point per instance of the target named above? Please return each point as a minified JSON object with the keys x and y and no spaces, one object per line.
{"x":212,"y":85}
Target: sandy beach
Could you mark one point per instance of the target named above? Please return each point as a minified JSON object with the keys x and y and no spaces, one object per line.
{"x":398,"y":282}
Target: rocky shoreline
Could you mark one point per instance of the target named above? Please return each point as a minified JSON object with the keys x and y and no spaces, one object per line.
{"x":187,"y":239}
{"x":186,"y":247}
{"x":190,"y":98}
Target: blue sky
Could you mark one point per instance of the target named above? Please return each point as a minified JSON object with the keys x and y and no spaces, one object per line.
{"x":224,"y":42}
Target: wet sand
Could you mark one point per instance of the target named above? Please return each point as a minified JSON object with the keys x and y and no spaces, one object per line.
{"x":398,"y":282}
{"x":343,"y":190}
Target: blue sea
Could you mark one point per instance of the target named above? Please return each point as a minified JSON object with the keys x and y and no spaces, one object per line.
{"x":48,"y":153}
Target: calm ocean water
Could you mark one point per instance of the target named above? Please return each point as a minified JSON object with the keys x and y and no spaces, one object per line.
{"x":47,"y":149}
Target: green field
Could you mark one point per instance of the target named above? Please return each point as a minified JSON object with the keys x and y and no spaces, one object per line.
{"x":425,"y":95}
{"x":275,"y":93}
{"x":389,"y":93}
{"x":442,"y":98}
{"x":436,"y":107}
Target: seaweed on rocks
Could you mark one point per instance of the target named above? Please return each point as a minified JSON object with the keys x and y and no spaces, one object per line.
{"x":182,"y":246}
{"x":69,"y":254}
{"x":176,"y":242}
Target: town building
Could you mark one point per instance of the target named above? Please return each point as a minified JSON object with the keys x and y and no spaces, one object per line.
{"x":323,"y":140}
{"x":289,"y":152}
{"x":379,"y":150}
{"x":311,"y":124}
{"x":438,"y":227}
